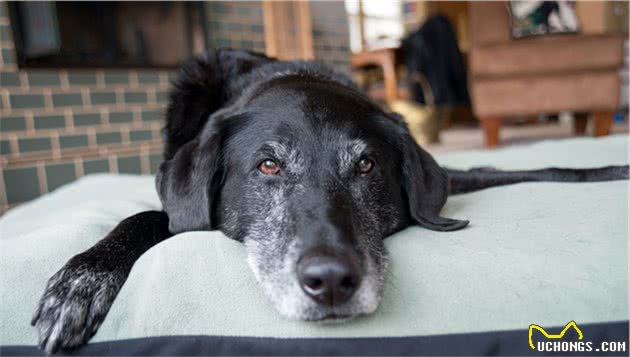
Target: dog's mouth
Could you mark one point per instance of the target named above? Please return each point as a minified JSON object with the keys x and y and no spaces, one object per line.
{"x":330,"y":318}
{"x":333,"y":318}
{"x":318,"y":287}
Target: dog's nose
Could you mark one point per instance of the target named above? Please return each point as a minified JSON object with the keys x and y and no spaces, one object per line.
{"x":329,"y":279}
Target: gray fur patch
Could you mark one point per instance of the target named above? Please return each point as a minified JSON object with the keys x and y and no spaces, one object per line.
{"x":349,"y":155}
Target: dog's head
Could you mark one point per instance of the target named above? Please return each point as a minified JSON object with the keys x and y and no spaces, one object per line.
{"x":311,"y":176}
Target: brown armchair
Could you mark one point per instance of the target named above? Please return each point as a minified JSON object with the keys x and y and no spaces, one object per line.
{"x":543,"y":74}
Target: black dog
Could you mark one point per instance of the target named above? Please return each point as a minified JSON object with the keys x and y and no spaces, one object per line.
{"x":295,"y":162}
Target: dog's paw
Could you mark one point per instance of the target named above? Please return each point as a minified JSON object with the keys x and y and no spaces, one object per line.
{"x":74,"y":305}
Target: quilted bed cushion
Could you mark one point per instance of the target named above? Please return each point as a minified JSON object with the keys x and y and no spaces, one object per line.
{"x":543,"y":253}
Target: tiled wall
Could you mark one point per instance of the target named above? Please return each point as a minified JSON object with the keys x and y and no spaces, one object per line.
{"x":58,"y":125}
{"x":239,"y":25}
{"x":331,"y":37}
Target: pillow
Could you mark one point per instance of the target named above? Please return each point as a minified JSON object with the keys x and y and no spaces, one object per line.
{"x":535,"y":253}
{"x":531,"y":18}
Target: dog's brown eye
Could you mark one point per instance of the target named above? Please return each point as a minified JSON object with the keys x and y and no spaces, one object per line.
{"x":365,"y":166}
{"x":269,"y":167}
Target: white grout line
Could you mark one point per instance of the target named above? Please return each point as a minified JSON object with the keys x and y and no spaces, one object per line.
{"x":91,"y":134}
{"x":100,"y":78}
{"x":48,"y":102}
{"x":41,"y":178}
{"x":113,"y":164}
{"x":3,"y":192}
{"x":133,"y":79}
{"x":78,"y":167}
{"x":68,"y":119}
{"x":23,"y":80}
{"x":6,"y":103}
{"x":85,"y":98}
{"x":145,"y":164}
{"x":63,"y":77}
{"x":56,"y":146}
{"x":125,"y":136}
{"x":13,"y":143}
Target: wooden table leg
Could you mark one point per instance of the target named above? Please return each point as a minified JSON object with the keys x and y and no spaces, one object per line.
{"x":579,"y":123}
{"x":491,"y":126}
{"x":389,"y":77}
{"x":603,"y":122}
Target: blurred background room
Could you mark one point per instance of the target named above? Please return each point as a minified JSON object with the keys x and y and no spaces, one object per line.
{"x":84,"y":84}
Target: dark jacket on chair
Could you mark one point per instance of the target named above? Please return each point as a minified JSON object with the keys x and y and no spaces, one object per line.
{"x":432,"y":51}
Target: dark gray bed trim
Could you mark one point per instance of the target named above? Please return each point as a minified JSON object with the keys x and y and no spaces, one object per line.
{"x":499,"y":343}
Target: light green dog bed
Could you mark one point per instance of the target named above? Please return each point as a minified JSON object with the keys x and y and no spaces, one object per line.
{"x":543,"y":253}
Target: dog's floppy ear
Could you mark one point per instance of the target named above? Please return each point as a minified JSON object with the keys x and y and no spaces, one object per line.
{"x":204,"y":85}
{"x":425,"y":185}
{"x":189,"y":182}
{"x":188,"y":179}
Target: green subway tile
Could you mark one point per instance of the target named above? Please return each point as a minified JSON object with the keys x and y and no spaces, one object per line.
{"x":25,"y":101}
{"x":161,"y":96}
{"x":148,"y":77}
{"x":82,"y":78}
{"x":49,"y":121}
{"x":224,"y":43}
{"x":135,"y":97}
{"x":59,"y":174}
{"x":87,"y":119}
{"x":116,"y":78}
{"x":256,"y":28}
{"x":8,"y":56}
{"x":154,"y":162}
{"x":120,"y":117}
{"x":140,"y":135}
{"x":34,"y":144}
{"x":220,"y":8}
{"x":21,"y":184}
{"x":73,"y":141}
{"x":103,"y":98}
{"x":151,"y":115}
{"x":95,"y":166}
{"x":108,"y":138}
{"x":129,"y":165}
{"x":12,"y":123}
{"x":40,"y":78}
{"x":67,"y":99}
{"x":5,"y":147}
{"x":9,"y":79}
{"x":5,"y":33}
{"x":234,"y":27}
{"x":243,"y":10}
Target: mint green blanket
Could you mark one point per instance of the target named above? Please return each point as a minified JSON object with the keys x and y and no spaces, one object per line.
{"x":543,"y":253}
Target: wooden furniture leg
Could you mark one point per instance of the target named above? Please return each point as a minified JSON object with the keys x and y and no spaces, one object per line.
{"x":579,"y":123}
{"x":491,"y":126}
{"x":389,"y":76}
{"x":603,"y":121}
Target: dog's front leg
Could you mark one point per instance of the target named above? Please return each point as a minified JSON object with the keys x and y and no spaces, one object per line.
{"x":78,"y":296}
